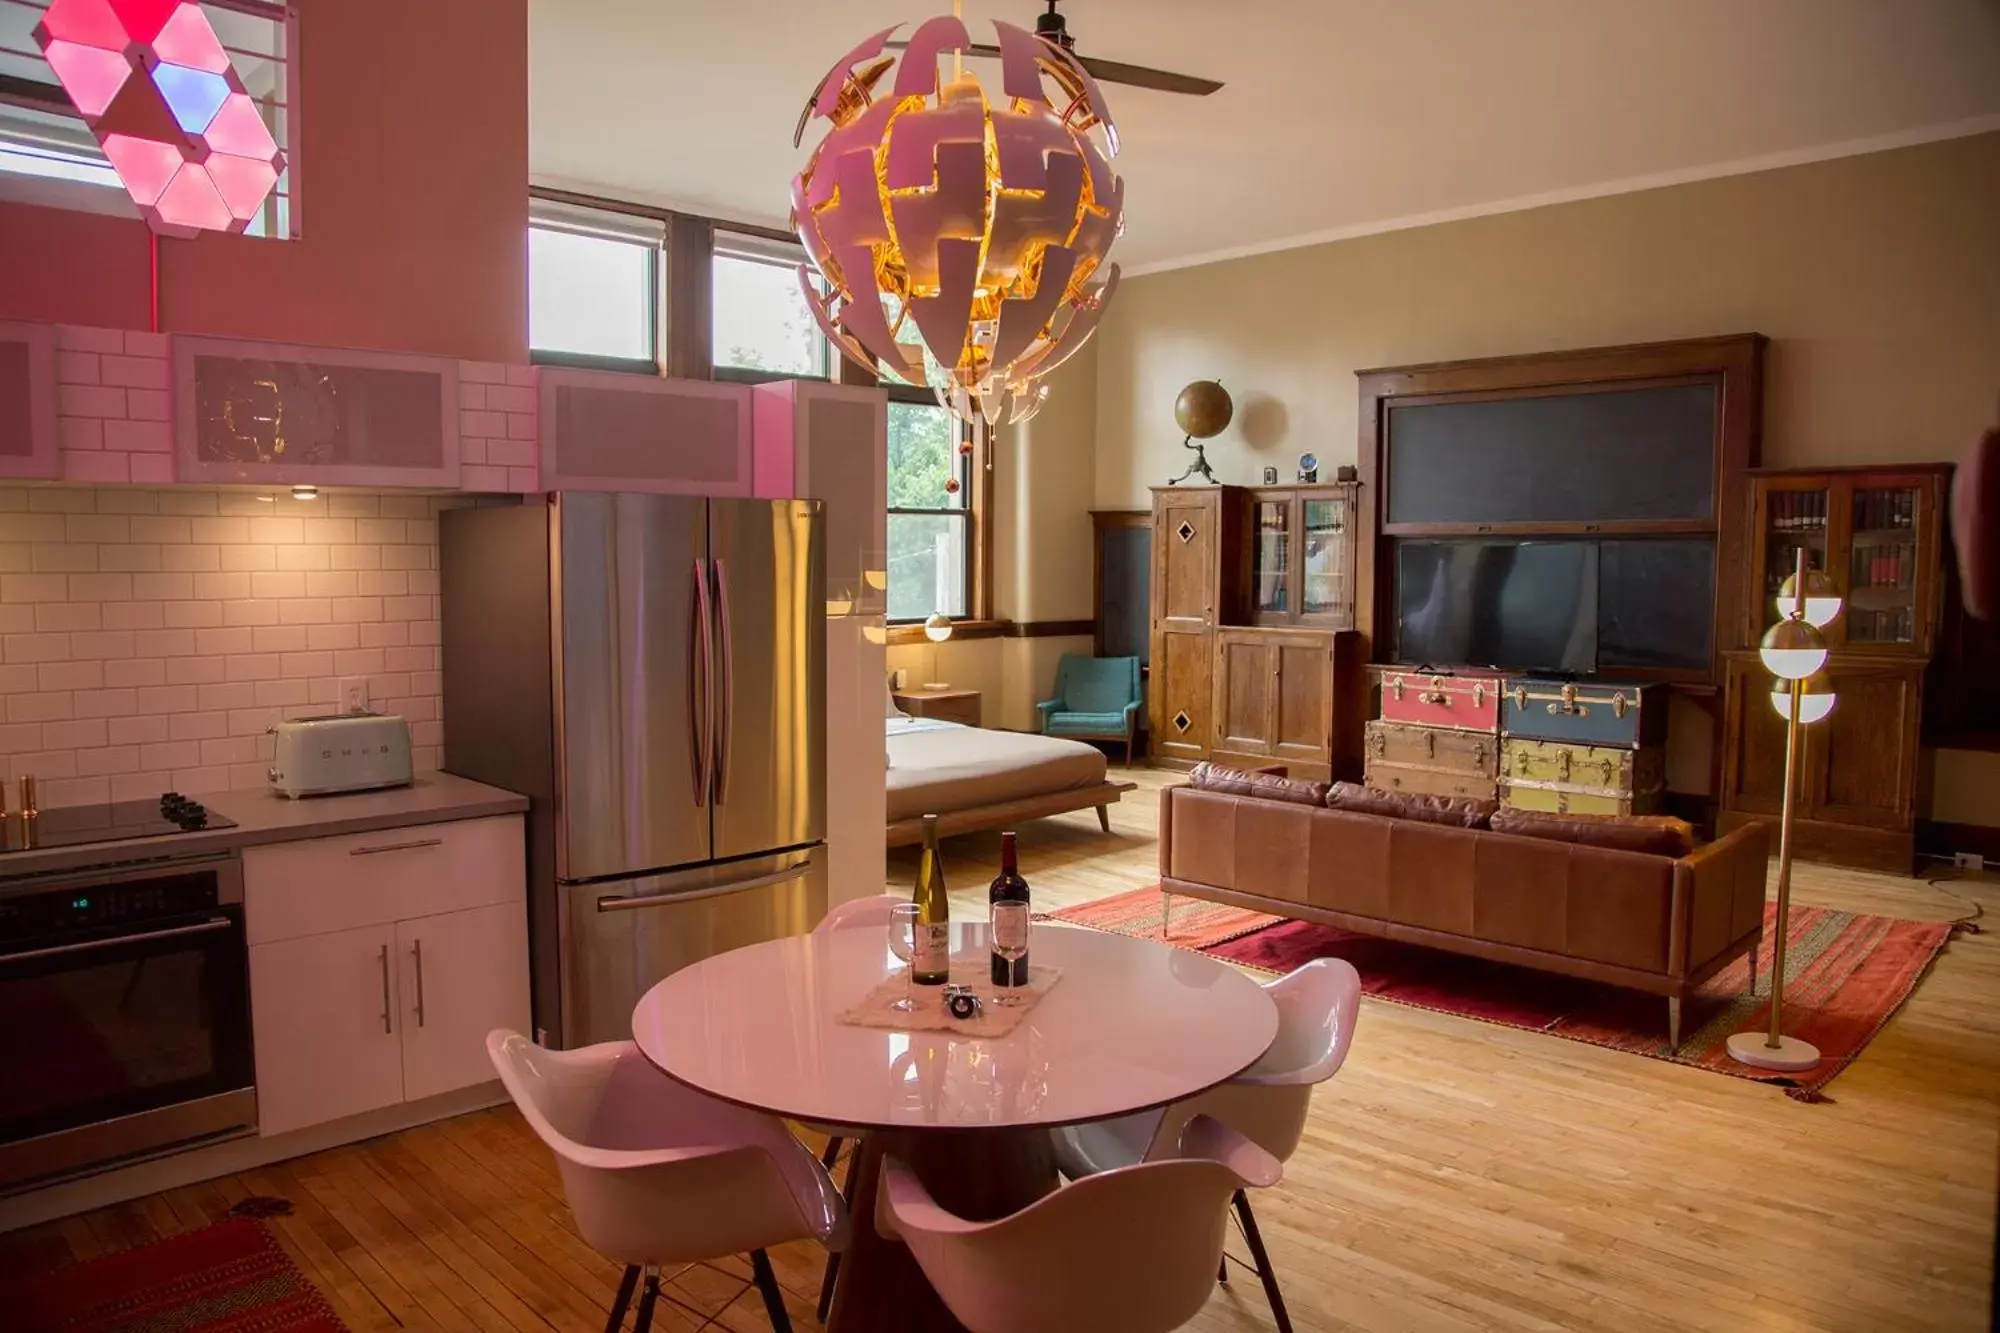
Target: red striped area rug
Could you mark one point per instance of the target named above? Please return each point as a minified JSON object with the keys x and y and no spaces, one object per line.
{"x":1848,"y":975}
{"x":232,"y":1277}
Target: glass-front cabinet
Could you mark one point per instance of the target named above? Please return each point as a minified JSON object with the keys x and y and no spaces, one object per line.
{"x":1302,"y":557}
{"x":1874,"y":532}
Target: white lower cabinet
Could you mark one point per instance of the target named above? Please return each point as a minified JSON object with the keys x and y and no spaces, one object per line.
{"x":361,"y":998}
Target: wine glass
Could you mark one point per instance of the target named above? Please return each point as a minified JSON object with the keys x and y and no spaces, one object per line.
{"x":903,"y":943}
{"x":1011,"y":945}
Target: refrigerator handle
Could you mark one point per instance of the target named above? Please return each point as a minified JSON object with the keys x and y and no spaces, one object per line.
{"x":785,"y":876}
{"x":727,"y":725}
{"x":700,"y":670}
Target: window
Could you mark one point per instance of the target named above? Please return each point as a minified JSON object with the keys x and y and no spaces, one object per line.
{"x":48,"y":156}
{"x":761,"y":322}
{"x":593,"y":285}
{"x":930,"y":528}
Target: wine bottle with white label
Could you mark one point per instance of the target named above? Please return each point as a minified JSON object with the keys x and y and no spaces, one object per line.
{"x":1008,"y":902}
{"x":930,"y":961}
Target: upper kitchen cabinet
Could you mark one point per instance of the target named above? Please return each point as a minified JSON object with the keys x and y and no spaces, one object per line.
{"x":28,"y":401}
{"x":273,"y":414}
{"x":609,"y":431}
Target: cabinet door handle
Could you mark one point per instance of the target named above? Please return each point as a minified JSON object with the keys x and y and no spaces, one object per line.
{"x":417,"y":952}
{"x":382,"y":957}
{"x":412,"y":845}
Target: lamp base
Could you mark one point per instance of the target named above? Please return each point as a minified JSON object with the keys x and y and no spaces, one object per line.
{"x":1790,"y":1056}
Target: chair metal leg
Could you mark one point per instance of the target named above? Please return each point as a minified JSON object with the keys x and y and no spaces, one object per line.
{"x":647,"y":1299}
{"x":624,"y":1301}
{"x":1222,"y":1274}
{"x":1264,"y":1269}
{"x":832,"y":1153}
{"x":767,"y":1286}
{"x":833,"y":1256}
{"x":1673,"y":1023}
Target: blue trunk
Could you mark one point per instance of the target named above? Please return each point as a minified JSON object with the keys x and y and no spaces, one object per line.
{"x":1604,"y":714}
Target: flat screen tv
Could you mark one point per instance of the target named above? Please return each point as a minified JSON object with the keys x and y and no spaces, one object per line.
{"x":1519,"y":606}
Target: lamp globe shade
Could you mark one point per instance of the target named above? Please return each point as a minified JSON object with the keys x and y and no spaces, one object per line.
{"x":1792,"y":650}
{"x":937,"y":627}
{"x":1822,"y":599}
{"x":1816,"y":698}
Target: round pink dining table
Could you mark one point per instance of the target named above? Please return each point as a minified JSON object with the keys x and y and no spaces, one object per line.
{"x":1130,"y":1025}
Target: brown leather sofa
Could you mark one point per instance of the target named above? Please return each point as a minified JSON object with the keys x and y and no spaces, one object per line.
{"x":1659,"y":924}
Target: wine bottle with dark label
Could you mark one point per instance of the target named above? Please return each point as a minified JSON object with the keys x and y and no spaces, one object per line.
{"x":930,"y":960}
{"x":1008,"y":900}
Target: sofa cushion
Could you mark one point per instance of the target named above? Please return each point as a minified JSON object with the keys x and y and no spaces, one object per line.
{"x":1659,"y":835}
{"x":1262,"y":786}
{"x":1459,"y":811}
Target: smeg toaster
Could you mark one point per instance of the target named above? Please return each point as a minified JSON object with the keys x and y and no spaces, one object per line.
{"x":318,"y":756}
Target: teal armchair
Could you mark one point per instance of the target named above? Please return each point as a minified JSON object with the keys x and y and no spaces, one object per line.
{"x":1097,"y":698}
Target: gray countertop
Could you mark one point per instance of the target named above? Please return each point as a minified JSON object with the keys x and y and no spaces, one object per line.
{"x":265,"y":817}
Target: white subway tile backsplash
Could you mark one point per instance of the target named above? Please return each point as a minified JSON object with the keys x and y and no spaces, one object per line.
{"x":150,"y":638}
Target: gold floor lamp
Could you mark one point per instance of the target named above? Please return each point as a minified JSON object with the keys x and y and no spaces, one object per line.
{"x":1793,"y":651}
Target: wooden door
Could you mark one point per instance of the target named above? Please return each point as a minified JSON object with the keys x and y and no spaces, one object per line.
{"x":463,"y":974}
{"x":1246,"y":690}
{"x":323,"y":1012}
{"x":1862,"y":759}
{"x":1302,"y":703}
{"x":1186,"y":533}
{"x":1753,"y":760}
{"x":1180,"y":693}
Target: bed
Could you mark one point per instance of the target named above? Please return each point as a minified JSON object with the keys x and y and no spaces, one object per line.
{"x":973,"y":778}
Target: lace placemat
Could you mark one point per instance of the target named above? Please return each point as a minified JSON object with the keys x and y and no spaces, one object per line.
{"x":993,"y":1020}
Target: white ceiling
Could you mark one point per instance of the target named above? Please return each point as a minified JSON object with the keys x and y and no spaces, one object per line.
{"x":1340,"y":116}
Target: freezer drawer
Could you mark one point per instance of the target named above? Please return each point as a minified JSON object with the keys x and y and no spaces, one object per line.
{"x":622,"y":936}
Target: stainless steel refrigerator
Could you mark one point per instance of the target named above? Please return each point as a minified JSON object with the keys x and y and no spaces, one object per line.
{"x":650,"y":671}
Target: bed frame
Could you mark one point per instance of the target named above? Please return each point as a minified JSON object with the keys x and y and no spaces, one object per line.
{"x":974,"y":819}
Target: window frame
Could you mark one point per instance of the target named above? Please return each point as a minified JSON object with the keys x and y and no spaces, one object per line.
{"x":566,"y":215}
{"x":831,"y":358}
{"x":968,"y":467}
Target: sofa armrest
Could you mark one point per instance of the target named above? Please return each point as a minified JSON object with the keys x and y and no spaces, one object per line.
{"x":1718,"y":896}
{"x":1044,"y":710}
{"x":1131,"y":715}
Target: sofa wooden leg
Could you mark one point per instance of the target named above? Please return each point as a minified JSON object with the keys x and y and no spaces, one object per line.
{"x":1104,"y":817}
{"x":1166,"y":911}
{"x":1673,"y":1023}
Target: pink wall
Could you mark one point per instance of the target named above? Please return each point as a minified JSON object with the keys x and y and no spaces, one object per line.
{"x":414,"y":184}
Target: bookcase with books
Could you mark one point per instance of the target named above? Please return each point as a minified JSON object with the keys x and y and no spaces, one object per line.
{"x":1876,"y":532}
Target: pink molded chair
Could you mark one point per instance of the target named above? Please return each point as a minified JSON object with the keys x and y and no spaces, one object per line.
{"x":855,"y":914}
{"x":1128,"y":1250}
{"x":1317,"y":1008}
{"x":658,"y":1174}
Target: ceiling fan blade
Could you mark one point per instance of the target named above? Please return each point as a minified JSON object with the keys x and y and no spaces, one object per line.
{"x":1115,"y":71}
{"x":1138,"y":76}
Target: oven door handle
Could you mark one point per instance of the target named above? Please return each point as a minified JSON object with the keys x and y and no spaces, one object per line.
{"x":176,"y":932}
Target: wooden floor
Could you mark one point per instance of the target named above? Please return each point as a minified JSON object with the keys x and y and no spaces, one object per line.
{"x":1455,"y":1176}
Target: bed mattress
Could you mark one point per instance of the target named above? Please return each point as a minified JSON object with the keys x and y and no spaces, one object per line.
{"x":937,"y":767}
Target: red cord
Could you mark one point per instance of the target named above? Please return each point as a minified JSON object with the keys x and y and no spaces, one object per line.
{"x":155,"y":238}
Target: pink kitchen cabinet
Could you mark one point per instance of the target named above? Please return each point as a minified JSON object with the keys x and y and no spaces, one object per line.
{"x":607,"y":431}
{"x":28,"y":401}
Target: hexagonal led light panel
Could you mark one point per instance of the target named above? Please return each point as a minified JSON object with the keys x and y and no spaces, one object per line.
{"x":156,"y":87}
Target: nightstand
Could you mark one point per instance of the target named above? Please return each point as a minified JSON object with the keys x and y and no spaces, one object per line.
{"x":944,"y":705}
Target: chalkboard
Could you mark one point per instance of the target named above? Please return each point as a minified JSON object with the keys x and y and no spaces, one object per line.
{"x":1583,"y":457}
{"x":1655,"y":603}
{"x":1123,"y":616}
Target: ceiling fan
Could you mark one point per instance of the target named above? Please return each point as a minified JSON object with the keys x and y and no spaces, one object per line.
{"x":1052,"y":28}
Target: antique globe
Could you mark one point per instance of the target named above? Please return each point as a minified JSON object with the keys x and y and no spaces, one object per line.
{"x":1203,"y":409}
{"x":959,"y":240}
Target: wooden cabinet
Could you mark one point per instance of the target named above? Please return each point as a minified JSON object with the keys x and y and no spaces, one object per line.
{"x":1856,"y":800}
{"x":379,"y":962}
{"x":947,"y":705}
{"x":1874,"y":531}
{"x":1301,"y":556}
{"x":1187,"y":539}
{"x":1182,"y":692}
{"x":1275,"y":698}
{"x":1192,"y":527}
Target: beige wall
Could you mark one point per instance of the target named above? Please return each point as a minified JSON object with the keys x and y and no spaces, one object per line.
{"x":1877,"y":279}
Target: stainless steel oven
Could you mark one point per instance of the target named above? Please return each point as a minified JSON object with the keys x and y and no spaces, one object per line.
{"x":124,"y":1014}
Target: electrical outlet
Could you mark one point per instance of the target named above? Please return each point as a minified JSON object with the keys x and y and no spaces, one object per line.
{"x":1972,"y":861}
{"x":902,"y":678}
{"x":354,"y":694}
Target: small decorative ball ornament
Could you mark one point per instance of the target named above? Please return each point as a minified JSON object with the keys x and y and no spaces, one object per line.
{"x":951,"y":485}
{"x":1203,"y":409}
{"x":961,"y":241}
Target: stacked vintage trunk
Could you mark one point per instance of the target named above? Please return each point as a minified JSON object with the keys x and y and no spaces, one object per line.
{"x":1438,"y":735}
{"x":1583,"y":749}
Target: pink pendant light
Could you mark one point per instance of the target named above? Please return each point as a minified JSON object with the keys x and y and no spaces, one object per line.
{"x":960,"y":242}
{"x":156,"y":87}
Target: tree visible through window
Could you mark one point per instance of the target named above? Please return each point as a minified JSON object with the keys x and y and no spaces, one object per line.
{"x":760,"y":321}
{"x":930,"y":528}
